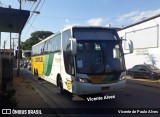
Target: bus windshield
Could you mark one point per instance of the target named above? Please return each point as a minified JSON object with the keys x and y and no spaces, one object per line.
{"x":99,"y":57}
{"x":98,"y":51}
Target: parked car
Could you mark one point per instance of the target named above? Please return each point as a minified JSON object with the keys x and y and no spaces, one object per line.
{"x":144,"y":71}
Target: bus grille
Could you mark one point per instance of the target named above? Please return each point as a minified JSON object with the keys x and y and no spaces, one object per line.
{"x":104,"y":79}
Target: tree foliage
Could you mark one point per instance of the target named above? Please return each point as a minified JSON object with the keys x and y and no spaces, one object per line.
{"x":41,"y":34}
{"x":27,"y":45}
{"x":36,"y":37}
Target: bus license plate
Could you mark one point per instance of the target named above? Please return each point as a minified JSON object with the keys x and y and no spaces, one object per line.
{"x":104,"y":88}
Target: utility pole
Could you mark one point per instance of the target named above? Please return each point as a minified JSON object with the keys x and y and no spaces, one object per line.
{"x":13,"y":43}
{"x":4,"y":44}
{"x":10,"y":46}
{"x":4,"y":52}
{"x":0,"y":51}
{"x":0,"y":40}
{"x":18,"y":56}
{"x":19,"y":40}
{"x":20,"y":4}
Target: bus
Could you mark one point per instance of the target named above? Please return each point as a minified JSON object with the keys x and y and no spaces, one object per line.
{"x":81,"y":60}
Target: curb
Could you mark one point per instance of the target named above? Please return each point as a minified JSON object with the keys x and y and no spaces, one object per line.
{"x":145,"y":82}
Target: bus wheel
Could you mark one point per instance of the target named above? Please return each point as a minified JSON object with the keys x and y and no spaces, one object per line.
{"x":37,"y":75}
{"x":34,"y":72}
{"x":60,"y":85}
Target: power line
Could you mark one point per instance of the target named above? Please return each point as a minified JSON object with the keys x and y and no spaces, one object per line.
{"x":30,"y":9}
{"x":31,"y":17}
{"x":31,"y":24}
{"x":42,"y":5}
{"x":32,"y":6}
{"x":3,"y":4}
{"x":34,"y":10}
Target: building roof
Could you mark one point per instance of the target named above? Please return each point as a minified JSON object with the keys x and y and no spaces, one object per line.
{"x":140,"y":22}
{"x":13,"y":20}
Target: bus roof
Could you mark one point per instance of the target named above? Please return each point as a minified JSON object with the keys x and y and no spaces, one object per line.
{"x":71,"y":27}
{"x":46,"y":38}
{"x":76,"y":26}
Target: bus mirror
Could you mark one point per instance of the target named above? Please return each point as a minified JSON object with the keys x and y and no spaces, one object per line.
{"x":129,"y":44}
{"x":73,"y":45}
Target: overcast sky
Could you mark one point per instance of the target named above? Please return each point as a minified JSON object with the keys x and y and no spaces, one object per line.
{"x":55,"y":14}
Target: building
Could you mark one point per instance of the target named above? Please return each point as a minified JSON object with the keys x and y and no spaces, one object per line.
{"x":6,"y":53}
{"x":145,"y":36}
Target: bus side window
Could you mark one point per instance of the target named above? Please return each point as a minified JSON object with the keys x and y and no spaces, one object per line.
{"x":45,"y":47}
{"x":58,"y":42}
{"x":52,"y":44}
{"x":68,"y":58}
{"x":42,"y":48}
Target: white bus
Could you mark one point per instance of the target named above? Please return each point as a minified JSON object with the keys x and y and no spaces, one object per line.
{"x":81,"y":60}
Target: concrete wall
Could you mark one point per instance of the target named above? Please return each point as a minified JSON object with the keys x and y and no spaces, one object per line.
{"x":146,"y":40}
{"x":7,"y":74}
{"x":6,"y":70}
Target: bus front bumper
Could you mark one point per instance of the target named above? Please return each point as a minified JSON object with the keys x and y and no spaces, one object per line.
{"x":88,"y":88}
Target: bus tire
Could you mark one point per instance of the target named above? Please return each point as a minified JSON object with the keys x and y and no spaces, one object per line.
{"x":37,"y":74}
{"x":60,"y":84}
{"x":39,"y":78}
{"x":34,"y":72}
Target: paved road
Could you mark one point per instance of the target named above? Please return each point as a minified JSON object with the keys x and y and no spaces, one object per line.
{"x":135,"y":96}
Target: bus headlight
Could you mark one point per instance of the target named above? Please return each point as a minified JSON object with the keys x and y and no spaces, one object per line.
{"x":122,"y":76}
{"x":83,"y":80}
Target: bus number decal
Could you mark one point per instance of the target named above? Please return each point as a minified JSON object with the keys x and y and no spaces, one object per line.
{"x":68,"y":83}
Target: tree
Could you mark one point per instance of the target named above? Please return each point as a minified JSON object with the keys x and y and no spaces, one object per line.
{"x":41,"y":34}
{"x":36,"y":37}
{"x":27,"y":45}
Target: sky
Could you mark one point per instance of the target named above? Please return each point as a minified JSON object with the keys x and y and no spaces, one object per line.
{"x":56,"y":14}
